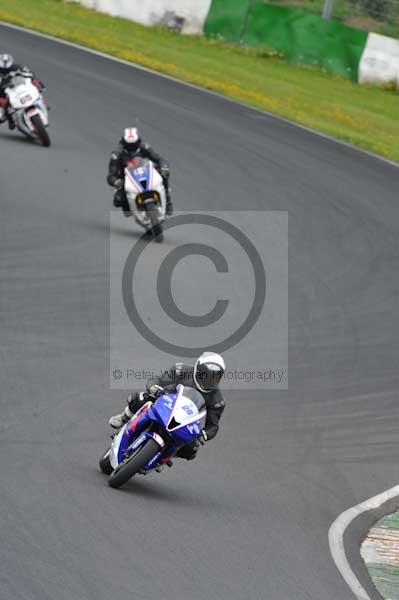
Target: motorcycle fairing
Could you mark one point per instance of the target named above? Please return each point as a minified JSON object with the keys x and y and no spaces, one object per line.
{"x":124,"y":437}
{"x":23,"y":93}
{"x":179,"y":415}
{"x":140,"y":174}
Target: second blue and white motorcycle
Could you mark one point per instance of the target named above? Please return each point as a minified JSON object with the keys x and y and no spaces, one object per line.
{"x":146,"y":195}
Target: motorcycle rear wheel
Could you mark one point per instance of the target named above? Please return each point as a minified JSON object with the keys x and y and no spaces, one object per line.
{"x":130,"y":466}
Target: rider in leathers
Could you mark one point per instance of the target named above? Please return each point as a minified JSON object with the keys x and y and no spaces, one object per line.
{"x":131,"y":145}
{"x":204,"y":376}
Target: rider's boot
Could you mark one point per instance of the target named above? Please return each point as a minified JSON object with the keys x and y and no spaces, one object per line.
{"x":3,"y":110}
{"x":120,"y":201}
{"x":169,"y":204}
{"x":189,"y":451}
{"x":117,"y":201}
{"x":117,"y":421}
{"x":125,"y":204}
{"x":11,"y":124}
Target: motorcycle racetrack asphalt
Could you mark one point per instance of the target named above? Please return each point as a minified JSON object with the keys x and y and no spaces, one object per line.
{"x":250,"y":517}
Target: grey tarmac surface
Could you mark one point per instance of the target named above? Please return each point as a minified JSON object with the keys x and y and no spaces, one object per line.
{"x":248,"y":519}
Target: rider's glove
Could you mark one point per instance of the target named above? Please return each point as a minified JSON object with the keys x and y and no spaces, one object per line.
{"x":39,"y":84}
{"x":118,"y":184}
{"x":156,"y":390}
{"x":146,"y":397}
{"x":202,"y":438}
{"x":27,"y":72}
{"x":165,"y":171}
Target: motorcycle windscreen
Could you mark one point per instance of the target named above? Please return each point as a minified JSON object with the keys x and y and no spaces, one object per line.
{"x":14,"y":81}
{"x":194,"y":396}
{"x":189,"y":408}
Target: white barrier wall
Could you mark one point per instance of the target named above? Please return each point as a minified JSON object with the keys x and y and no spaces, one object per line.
{"x":380,"y":60}
{"x":153,"y":12}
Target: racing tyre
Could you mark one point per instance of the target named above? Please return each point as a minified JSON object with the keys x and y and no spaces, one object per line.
{"x":156,"y":227}
{"x":105,"y":464}
{"x":131,"y":465}
{"x":41,"y":131}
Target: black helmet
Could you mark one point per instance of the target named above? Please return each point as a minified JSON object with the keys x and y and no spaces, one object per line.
{"x":6,"y":63}
{"x":131,"y":139}
{"x":208,"y":371}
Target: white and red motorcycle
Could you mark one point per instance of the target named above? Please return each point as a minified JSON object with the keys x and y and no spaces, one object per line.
{"x":146,"y":195}
{"x":27,"y":108}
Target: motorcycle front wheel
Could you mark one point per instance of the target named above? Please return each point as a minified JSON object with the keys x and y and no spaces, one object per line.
{"x":41,"y":131}
{"x":156,"y":227}
{"x":105,"y":464}
{"x":133,"y":464}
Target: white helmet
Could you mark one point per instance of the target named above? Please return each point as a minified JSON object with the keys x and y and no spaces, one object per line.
{"x":6,"y":62}
{"x":208,"y":371}
{"x":131,"y":138}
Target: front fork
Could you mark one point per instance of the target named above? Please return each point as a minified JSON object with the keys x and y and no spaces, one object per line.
{"x":136,"y":433}
{"x":39,"y":108}
{"x":137,"y":424}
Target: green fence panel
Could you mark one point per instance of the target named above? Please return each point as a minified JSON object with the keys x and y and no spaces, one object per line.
{"x":225,"y":19}
{"x":302,"y":37}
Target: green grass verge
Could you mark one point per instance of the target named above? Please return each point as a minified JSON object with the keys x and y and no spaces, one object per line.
{"x":362,"y":115}
{"x":386,"y":580}
{"x":385,"y":574}
{"x":389,"y":521}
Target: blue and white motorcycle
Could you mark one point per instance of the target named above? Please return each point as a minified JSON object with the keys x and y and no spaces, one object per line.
{"x":146,"y":195}
{"x":154,"y":434}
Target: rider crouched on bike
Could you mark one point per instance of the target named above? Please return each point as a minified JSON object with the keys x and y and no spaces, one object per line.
{"x":8,"y":69}
{"x":130,"y":146}
{"x":204,"y":376}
